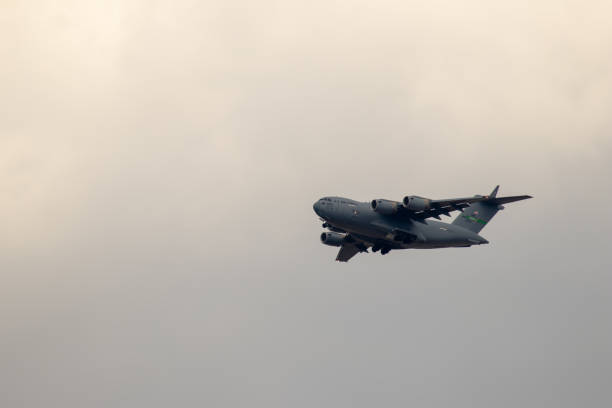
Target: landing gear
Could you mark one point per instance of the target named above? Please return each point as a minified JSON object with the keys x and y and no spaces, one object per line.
{"x":383,"y":249}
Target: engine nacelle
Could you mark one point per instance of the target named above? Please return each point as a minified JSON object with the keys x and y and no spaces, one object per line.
{"x":333,"y":238}
{"x":414,"y":203}
{"x":385,"y":207}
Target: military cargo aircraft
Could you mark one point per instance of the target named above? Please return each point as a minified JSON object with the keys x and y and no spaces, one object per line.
{"x":384,"y":225}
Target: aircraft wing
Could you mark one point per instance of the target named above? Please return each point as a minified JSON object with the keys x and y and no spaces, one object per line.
{"x":446,"y":206}
{"x":351,"y":248}
{"x":511,"y":199}
{"x":347,"y":251}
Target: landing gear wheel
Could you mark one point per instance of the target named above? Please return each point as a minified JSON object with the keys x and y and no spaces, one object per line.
{"x":375,"y":248}
{"x":385,"y":251}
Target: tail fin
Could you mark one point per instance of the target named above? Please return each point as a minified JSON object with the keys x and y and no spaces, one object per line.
{"x":477,"y":215}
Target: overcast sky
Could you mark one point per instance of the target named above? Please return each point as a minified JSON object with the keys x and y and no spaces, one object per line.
{"x":158,"y":165}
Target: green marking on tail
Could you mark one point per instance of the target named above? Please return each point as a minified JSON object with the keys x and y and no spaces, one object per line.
{"x":474,"y":219}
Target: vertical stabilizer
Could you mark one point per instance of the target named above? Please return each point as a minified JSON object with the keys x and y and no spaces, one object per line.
{"x":476,"y":216}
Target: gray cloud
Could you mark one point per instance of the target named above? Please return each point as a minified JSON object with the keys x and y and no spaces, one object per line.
{"x":159,"y":165}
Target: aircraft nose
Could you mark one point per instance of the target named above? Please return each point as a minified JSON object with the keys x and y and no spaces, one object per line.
{"x":316,"y":207}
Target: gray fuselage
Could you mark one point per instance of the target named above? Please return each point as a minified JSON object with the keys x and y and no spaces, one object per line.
{"x":360,"y":220}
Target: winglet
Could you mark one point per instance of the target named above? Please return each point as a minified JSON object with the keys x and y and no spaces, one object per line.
{"x":494,"y":192}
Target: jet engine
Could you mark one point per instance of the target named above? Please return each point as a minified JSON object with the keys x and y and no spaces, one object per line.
{"x":385,"y":207}
{"x":333,"y":238}
{"x":415,"y":203}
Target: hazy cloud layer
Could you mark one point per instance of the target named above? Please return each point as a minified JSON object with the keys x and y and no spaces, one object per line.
{"x":159,"y":162}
